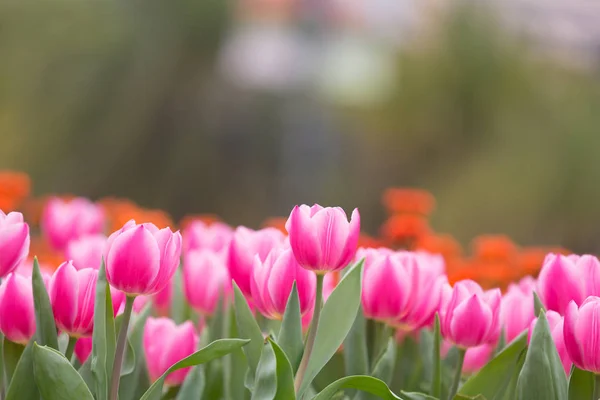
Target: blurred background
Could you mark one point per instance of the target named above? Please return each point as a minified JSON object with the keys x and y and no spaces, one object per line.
{"x":243,"y":108}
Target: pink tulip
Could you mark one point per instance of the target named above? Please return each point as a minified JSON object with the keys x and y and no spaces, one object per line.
{"x":162,"y":300}
{"x":329,"y":283}
{"x":72,"y":295}
{"x":517,"y":309}
{"x":63,"y":221}
{"x":14,"y":242}
{"x":322,"y":238}
{"x":166,"y":343}
{"x":477,"y":357}
{"x":245,"y":244}
{"x":581,"y":332}
{"x":556,"y":323}
{"x":471,"y":317}
{"x":273,"y":279}
{"x":199,"y":235}
{"x":83,"y":349}
{"x":205,"y":278}
{"x":86,"y":251}
{"x":560,"y":281}
{"x":17,"y":315}
{"x":141,"y":259}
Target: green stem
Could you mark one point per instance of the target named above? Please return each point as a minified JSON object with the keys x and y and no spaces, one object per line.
{"x":596,"y":387}
{"x":120,"y":351}
{"x":70,"y":348}
{"x":312,"y":333}
{"x":382,"y":334}
{"x":458,"y":373}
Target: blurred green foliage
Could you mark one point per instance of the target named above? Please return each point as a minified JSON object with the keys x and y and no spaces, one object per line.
{"x":123,"y":98}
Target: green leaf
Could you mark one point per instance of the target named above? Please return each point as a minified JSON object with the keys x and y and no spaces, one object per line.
{"x":55,"y":376}
{"x":103,"y":338}
{"x":136,"y":380}
{"x":265,"y":383}
{"x":285,"y":375}
{"x":493,"y":380}
{"x":11,"y":354}
{"x":538,"y":306}
{"x":21,"y":387}
{"x":360,"y":382}
{"x":337,"y":317}
{"x":463,"y":397}
{"x":436,"y":385}
{"x":542,"y":376}
{"x":416,"y":396}
{"x":235,"y":366}
{"x":180,"y":310}
{"x":44,"y":317}
{"x":581,"y":384}
{"x":248,"y":328}
{"x":216,"y":321}
{"x":193,"y":385}
{"x":86,"y":374}
{"x":290,"y":334}
{"x":356,"y":358}
{"x":384,"y":368}
{"x":216,"y":349}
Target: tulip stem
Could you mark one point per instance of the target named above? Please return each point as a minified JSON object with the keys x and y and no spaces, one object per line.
{"x":596,"y":387}
{"x":312,"y":333}
{"x":120,"y":351}
{"x":458,"y":373}
{"x":70,"y":348}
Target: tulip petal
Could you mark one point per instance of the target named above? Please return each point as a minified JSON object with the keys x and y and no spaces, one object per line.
{"x":471,"y":322}
{"x":569,"y":332}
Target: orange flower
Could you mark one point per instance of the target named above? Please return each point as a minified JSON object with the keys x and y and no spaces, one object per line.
{"x":443,"y":244}
{"x":14,"y":188}
{"x":277,"y":223}
{"x":365,"y":240}
{"x":494,"y":247}
{"x":405,"y":200}
{"x":405,"y":228}
{"x":47,"y":256}
{"x":119,"y":211}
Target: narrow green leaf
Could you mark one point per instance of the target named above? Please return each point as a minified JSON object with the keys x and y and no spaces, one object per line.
{"x":103,"y":337}
{"x":493,"y":380}
{"x":46,"y":332}
{"x":416,"y":396}
{"x":11,"y":354}
{"x":86,"y":374}
{"x":360,"y":382}
{"x":581,"y":384}
{"x":356,"y":358}
{"x":248,"y":329}
{"x":337,"y":317}
{"x":216,"y":323}
{"x":179,"y":307}
{"x":265,"y":383}
{"x":436,"y":385}
{"x":21,"y":386}
{"x":290,"y":334}
{"x":193,"y":385}
{"x":285,"y":375}
{"x":216,"y":349}
{"x":538,"y":306}
{"x":55,"y":376}
{"x":235,"y":365}
{"x":137,"y":378}
{"x":542,"y":376}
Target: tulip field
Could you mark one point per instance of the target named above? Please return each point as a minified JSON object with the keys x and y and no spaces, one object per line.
{"x":305,"y":308}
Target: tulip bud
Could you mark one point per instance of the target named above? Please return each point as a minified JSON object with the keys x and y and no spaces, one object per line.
{"x":86,"y":251}
{"x":272,"y":283}
{"x":17,"y":315}
{"x":581,"y":333}
{"x":560,"y":281}
{"x":166,"y":343}
{"x":14,"y":242}
{"x":245,"y":244}
{"x":517,"y":308}
{"x":556,"y":323}
{"x":471,"y":317}
{"x":141,"y":259}
{"x":477,"y":357}
{"x":205,"y":278}
{"x":63,"y":221}
{"x":199,"y":235}
{"x":322,"y":238}
{"x":72,"y":294}
{"x":83,"y":349}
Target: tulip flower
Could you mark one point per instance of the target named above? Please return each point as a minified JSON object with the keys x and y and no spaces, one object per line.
{"x":63,"y":221}
{"x":166,"y":343}
{"x":471,"y":317}
{"x":477,"y":357}
{"x":245,"y":244}
{"x":17,"y":315}
{"x":205,"y":278}
{"x":14,"y":242}
{"x":162,"y":300}
{"x":141,"y":259}
{"x":86,"y":251}
{"x":556,"y":323}
{"x":581,"y":333}
{"x":322,"y":238}
{"x":83,"y":349}
{"x":561,"y":280}
{"x":273,"y":279}
{"x":517,"y":309}
{"x":199,"y":235}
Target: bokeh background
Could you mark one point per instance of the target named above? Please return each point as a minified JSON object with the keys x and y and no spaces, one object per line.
{"x":243,"y":108}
